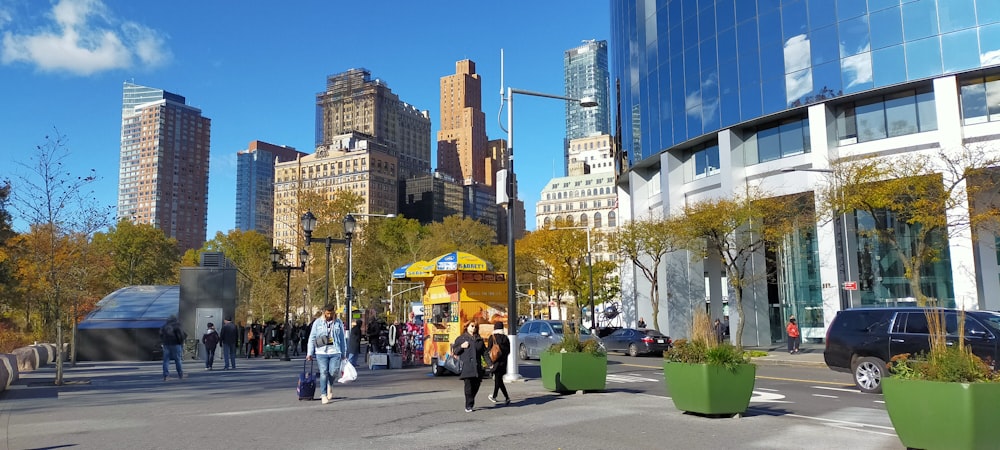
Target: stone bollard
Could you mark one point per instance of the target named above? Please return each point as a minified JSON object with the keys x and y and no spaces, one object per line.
{"x":52,"y":352}
{"x":44,"y":354}
{"x":27,"y":359}
{"x":8,"y":370}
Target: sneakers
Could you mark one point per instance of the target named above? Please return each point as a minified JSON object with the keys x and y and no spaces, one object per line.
{"x":491,"y":398}
{"x":468,"y":409}
{"x":324,"y":399}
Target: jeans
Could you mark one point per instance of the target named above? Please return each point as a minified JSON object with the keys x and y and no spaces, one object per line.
{"x":793,"y":344}
{"x":229,"y":355}
{"x":209,"y":357}
{"x":172,"y":352}
{"x":353,"y":358}
{"x":329,"y":371}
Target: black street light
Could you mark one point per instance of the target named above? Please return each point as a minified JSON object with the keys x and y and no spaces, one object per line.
{"x":276,"y":265}
{"x":308,"y":225}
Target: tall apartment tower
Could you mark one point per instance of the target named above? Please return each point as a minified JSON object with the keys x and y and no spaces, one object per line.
{"x":461,"y":143}
{"x":586,"y":75}
{"x":353,"y":101}
{"x":163,"y":172}
{"x":255,"y":185}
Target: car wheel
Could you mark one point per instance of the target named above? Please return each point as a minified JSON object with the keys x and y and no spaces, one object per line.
{"x":633,"y":350}
{"x":522,"y":352}
{"x":868,"y":374}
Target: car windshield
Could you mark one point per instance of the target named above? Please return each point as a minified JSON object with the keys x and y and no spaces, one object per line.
{"x":557,"y":328}
{"x":990,"y":320}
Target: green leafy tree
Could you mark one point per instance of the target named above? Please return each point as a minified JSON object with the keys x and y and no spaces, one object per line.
{"x":737,"y":229}
{"x":141,"y":254}
{"x":384,"y":244}
{"x":261,"y":291}
{"x":645,"y":243}
{"x":907,"y":199}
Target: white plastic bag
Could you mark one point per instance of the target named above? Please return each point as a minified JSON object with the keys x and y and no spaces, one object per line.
{"x":347,"y":372}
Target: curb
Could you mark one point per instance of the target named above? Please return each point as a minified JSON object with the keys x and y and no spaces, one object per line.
{"x":772,"y":361}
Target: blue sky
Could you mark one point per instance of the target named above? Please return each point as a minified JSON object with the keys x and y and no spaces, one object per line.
{"x":255,"y":67}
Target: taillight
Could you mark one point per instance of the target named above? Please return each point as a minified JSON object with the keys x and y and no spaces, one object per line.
{"x":647,"y":340}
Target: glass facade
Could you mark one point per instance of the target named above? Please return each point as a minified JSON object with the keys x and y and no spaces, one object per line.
{"x":692,"y":67}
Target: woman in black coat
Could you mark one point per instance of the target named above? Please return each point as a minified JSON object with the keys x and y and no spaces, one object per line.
{"x":470,"y":348}
{"x":354,"y":343}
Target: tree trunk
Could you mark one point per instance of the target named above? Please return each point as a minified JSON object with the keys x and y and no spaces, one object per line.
{"x":654,"y":300}
{"x":738,"y":338}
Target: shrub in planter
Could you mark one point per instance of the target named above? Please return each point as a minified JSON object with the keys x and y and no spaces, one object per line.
{"x":574,"y":365}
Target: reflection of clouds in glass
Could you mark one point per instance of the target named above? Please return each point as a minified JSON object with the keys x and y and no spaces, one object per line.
{"x":633,"y":59}
{"x":857,"y":68}
{"x":798,"y":81}
{"x":990,"y":58}
{"x":798,"y":85}
{"x":797,"y":53}
{"x":693,"y":100}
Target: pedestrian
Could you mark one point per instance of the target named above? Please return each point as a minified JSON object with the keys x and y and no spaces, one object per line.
{"x":211,"y":341}
{"x":295,"y":339}
{"x":228,"y":335}
{"x":304,"y":336}
{"x":354,"y":343}
{"x":720,"y":333}
{"x":642,"y":323}
{"x":793,"y":336}
{"x":172,"y":338}
{"x":469,"y":348}
{"x":252,"y":341}
{"x":328,"y":345}
{"x":499,"y":367}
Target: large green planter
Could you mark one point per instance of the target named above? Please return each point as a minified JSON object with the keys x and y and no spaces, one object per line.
{"x":709,"y":389}
{"x":934,"y":414}
{"x":570,"y":372}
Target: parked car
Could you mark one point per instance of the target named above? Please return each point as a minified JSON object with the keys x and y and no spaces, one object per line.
{"x":636,"y":342}
{"x":536,"y":336}
{"x":861,"y":341}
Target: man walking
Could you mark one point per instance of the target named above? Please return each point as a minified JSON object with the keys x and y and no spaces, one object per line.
{"x":211,"y":341}
{"x":172,"y":338}
{"x":328,"y":345}
{"x":229,"y":335}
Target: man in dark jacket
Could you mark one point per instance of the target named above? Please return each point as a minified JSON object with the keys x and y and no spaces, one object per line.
{"x":211,"y":341}
{"x":229,"y":335}
{"x":172,"y":338}
{"x":354,"y":343}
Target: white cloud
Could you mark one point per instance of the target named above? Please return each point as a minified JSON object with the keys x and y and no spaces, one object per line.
{"x":857,"y":69}
{"x":989,"y":58}
{"x":84,"y":38}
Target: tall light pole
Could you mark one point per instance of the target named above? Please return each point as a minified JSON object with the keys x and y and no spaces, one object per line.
{"x":511,"y":187}
{"x":846,"y":300}
{"x":590,"y":268}
{"x":276,"y":265}
{"x":308,"y":225}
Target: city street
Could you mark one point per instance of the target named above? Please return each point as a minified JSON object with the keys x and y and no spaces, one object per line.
{"x":127,"y":405}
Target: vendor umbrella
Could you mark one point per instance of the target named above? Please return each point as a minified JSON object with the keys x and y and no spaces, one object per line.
{"x":460,"y":261}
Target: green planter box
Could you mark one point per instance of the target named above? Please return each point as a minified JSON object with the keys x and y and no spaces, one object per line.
{"x":708,"y":389}
{"x":933,"y":414}
{"x":570,"y":372}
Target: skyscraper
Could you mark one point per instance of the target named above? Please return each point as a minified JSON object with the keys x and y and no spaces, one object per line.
{"x":255,"y":184}
{"x":163,"y":171}
{"x":461,"y":143}
{"x":353,"y":101}
{"x":586,"y":75}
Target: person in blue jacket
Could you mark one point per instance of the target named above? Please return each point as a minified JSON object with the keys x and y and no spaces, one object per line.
{"x":328,"y":345}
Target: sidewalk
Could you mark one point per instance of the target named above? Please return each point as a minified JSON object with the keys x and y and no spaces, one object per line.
{"x":810,"y":355}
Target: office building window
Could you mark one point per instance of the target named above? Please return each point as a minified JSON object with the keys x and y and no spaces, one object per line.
{"x":980,"y":100}
{"x":881,"y":117}
{"x":773,"y":141}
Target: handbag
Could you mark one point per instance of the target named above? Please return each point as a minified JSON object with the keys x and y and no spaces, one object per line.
{"x":347,"y":372}
{"x":495,"y":352}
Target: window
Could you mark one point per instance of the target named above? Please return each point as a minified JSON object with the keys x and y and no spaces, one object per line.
{"x":898,"y":114}
{"x":777,"y":140}
{"x":703,"y":161}
{"x":980,"y":98}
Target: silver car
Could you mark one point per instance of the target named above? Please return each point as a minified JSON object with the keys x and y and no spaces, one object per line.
{"x":536,"y":336}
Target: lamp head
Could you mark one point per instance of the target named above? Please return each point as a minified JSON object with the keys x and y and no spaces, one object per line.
{"x":349,"y":224}
{"x":588,"y":102}
{"x":308,"y":224}
{"x":275,"y":257}
{"x":303,"y":256}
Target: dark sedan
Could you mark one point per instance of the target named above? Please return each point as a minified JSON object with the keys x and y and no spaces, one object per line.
{"x":636,"y":342}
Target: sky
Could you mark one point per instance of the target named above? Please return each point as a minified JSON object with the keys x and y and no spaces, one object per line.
{"x":254,"y":68}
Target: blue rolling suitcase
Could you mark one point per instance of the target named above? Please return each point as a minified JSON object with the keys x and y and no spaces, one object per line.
{"x":307,"y":382}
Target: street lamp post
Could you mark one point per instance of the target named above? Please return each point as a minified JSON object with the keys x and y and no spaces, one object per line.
{"x":590,"y":268}
{"x":277,"y":265}
{"x":512,"y":369}
{"x":847,"y":300}
{"x":308,"y":225}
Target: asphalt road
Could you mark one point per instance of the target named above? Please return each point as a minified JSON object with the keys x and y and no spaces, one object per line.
{"x":127,"y":405}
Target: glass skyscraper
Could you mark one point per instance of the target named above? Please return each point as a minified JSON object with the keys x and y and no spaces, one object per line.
{"x":586,"y":75}
{"x":721,"y":95}
{"x":255,"y":185}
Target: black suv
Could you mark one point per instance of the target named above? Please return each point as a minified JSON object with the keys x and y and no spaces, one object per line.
{"x":861,"y":340}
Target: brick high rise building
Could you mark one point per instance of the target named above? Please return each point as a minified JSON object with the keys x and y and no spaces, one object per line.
{"x":462,"y":143}
{"x":163,"y":168}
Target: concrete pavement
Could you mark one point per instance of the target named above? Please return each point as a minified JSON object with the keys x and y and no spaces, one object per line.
{"x":810,"y":355}
{"x":127,"y":405}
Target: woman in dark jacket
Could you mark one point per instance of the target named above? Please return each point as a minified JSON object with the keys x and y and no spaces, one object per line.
{"x":469,"y":348}
{"x":354,"y":343}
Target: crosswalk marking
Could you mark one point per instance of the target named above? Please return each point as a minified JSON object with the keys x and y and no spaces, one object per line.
{"x":628,"y":378}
